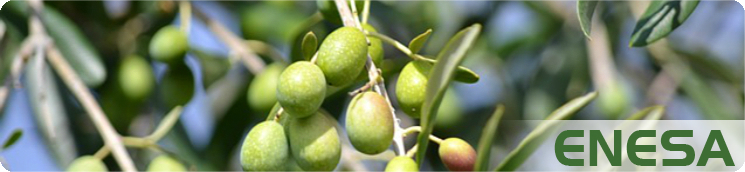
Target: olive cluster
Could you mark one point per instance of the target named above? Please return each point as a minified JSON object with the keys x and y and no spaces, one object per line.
{"x":306,"y":136}
{"x":309,"y":136}
{"x":93,"y":164}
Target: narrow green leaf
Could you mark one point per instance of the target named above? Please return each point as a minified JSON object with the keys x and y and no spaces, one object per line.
{"x":309,"y":45}
{"x":76,"y":49}
{"x":417,"y":43}
{"x":545,"y":129}
{"x":442,"y":73}
{"x":649,"y":111}
{"x":17,"y":133}
{"x":660,"y":18}
{"x":462,"y":74}
{"x":585,"y":9}
{"x":487,"y":137}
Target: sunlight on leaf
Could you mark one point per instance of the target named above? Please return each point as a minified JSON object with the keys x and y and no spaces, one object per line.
{"x":660,"y":18}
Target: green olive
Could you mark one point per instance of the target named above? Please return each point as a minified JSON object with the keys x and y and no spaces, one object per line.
{"x":165,"y":163}
{"x":301,"y":89}
{"x":342,"y":55}
{"x":369,"y":123}
{"x":331,"y":13}
{"x":265,"y":148}
{"x":612,"y":100}
{"x":87,"y":163}
{"x":262,"y":92}
{"x":401,"y":164}
{"x":411,"y":86}
{"x":177,"y":87}
{"x":314,"y":142}
{"x":136,"y":78}
{"x":169,"y":45}
{"x":457,"y":154}
{"x":376,"y":46}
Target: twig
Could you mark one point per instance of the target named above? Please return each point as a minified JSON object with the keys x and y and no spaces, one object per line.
{"x":185,"y":16}
{"x":398,"y":45}
{"x":254,"y":64}
{"x":365,"y":11}
{"x":78,"y":88}
{"x":164,"y":126}
{"x":265,"y":49}
{"x":279,"y":114}
{"x":373,"y":74}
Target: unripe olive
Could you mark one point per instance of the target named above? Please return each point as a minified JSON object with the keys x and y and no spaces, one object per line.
{"x":262,"y":92}
{"x":411,"y":86}
{"x":376,"y":46}
{"x":265,"y":148}
{"x":165,"y":163}
{"x":314,"y":142}
{"x":169,"y":45}
{"x":342,"y":55}
{"x":177,"y":87}
{"x":369,"y":123}
{"x":457,"y":155}
{"x":136,"y":77}
{"x":612,"y":100}
{"x":87,"y":163}
{"x":301,"y":89}
{"x":401,"y":164}
{"x":331,"y":13}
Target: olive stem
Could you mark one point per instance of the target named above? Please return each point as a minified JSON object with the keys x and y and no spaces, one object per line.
{"x":365,"y":11}
{"x":412,"y":151}
{"x":418,"y":129}
{"x":250,"y":60}
{"x":265,"y":49}
{"x":400,"y":46}
{"x":185,"y":16}
{"x":279,"y":114}
{"x":162,"y":129}
{"x":373,"y":73}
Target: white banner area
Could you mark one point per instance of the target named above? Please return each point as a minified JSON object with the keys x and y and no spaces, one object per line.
{"x":667,"y":153}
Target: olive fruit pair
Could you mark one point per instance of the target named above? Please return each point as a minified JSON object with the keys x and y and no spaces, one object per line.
{"x":169,"y":45}
{"x":87,"y":163}
{"x":265,"y":148}
{"x":136,"y":77}
{"x":411,"y":86}
{"x":401,"y":164}
{"x":314,"y":142}
{"x":457,"y":154}
{"x":165,"y":163}
{"x":262,"y":92}
{"x":369,"y":123}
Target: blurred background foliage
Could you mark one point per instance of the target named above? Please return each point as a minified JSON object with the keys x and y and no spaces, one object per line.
{"x":532,"y":57}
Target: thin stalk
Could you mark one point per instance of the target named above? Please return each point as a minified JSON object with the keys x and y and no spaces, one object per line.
{"x":253,"y":63}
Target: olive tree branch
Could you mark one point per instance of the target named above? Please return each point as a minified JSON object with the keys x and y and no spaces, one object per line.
{"x":78,"y":88}
{"x":373,"y":74}
{"x":253,"y":63}
{"x":18,"y":62}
